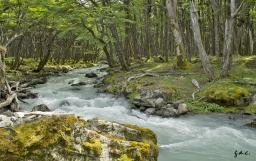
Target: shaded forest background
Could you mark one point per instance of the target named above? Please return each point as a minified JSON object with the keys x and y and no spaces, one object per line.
{"x":128,"y":31}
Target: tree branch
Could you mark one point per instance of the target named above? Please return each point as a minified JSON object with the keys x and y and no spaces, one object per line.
{"x":12,"y":39}
{"x":8,"y":101}
{"x":233,"y":15}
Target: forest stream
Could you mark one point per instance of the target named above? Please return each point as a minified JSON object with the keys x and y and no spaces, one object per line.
{"x":213,"y":137}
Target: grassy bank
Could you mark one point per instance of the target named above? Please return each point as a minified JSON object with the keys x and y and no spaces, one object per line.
{"x":232,"y":94}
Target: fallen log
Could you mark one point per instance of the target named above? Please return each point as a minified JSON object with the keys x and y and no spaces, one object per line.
{"x":142,"y":75}
{"x":8,"y":101}
{"x":244,"y":83}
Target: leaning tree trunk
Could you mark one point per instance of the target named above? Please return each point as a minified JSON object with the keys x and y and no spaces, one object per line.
{"x":180,"y":49}
{"x":198,"y":41}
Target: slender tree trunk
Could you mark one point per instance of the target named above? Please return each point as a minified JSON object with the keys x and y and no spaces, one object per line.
{"x":147,"y":33}
{"x":46,"y":57}
{"x":180,"y":49}
{"x":251,"y":41}
{"x":118,"y":47}
{"x":228,"y":39}
{"x":2,"y":68}
{"x":215,"y":8}
{"x":198,"y":41}
{"x":127,"y":40}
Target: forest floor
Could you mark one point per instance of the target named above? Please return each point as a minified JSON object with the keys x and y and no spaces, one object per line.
{"x":27,"y":67}
{"x":234,"y":94}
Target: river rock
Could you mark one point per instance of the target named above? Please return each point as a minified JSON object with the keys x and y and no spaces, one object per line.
{"x":252,"y":124}
{"x":41,"y":107}
{"x":177,"y":103}
{"x":91,"y":75}
{"x":81,"y":83}
{"x":150,"y":111}
{"x":153,"y":94}
{"x":159,"y":102}
{"x":33,"y":82}
{"x":139,"y":102}
{"x":182,"y":109}
{"x":66,"y":69}
{"x":27,"y":95}
{"x":8,"y":113}
{"x":64,"y":103}
{"x":5,"y":121}
{"x":170,"y":112}
{"x":68,"y":137}
{"x":158,"y":93}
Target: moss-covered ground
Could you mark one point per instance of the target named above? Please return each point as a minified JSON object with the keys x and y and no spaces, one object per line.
{"x":222,"y":95}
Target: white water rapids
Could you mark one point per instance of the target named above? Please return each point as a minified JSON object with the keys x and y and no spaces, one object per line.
{"x":189,"y":138}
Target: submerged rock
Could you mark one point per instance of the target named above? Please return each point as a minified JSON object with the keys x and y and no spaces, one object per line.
{"x":79,"y":84}
{"x":252,"y":124}
{"x":150,"y":111}
{"x":41,"y":107}
{"x":91,"y":75}
{"x":64,"y":103}
{"x":68,"y":137}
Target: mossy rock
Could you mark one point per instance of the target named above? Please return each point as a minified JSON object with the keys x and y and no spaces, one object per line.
{"x":68,"y":137}
{"x":227,"y":94}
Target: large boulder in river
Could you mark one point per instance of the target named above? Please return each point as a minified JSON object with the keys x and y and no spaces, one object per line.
{"x":182,"y":109}
{"x":41,"y":107}
{"x":68,"y":137}
{"x":91,"y":75}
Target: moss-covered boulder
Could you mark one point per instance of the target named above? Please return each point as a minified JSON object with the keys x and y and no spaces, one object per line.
{"x":227,"y":94}
{"x":68,"y":137}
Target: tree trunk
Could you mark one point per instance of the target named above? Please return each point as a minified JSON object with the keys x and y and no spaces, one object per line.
{"x":251,"y":41}
{"x":180,"y":49}
{"x":2,"y":68}
{"x":228,"y":40}
{"x":215,"y":8}
{"x":46,"y":57}
{"x":198,"y":41}
{"x":118,"y":46}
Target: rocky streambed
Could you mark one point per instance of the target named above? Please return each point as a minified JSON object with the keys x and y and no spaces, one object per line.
{"x":189,"y":137}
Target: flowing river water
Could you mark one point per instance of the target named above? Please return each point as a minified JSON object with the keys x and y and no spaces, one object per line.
{"x":212,"y":137}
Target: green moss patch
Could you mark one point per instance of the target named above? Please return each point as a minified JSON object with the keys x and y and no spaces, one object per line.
{"x":227,"y":93}
{"x":204,"y":107}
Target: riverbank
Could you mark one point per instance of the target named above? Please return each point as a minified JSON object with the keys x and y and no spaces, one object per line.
{"x":156,"y":84}
{"x":178,"y":139}
{"x":47,"y":135}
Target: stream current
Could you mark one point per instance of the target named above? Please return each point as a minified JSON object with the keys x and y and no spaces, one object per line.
{"x":213,"y":137}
